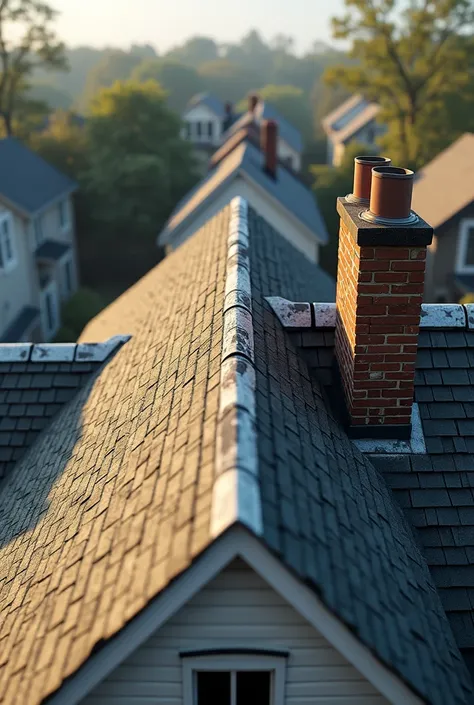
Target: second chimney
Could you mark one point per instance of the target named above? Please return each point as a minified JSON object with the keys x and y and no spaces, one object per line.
{"x":268,"y":144}
{"x":380,"y":276}
{"x":253,"y":101}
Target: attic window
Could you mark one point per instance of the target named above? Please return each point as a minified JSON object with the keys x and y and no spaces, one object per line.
{"x":234,"y":679}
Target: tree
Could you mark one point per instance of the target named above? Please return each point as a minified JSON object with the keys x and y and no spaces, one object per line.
{"x":227,"y":80}
{"x":179,"y":81}
{"x":63,"y":144}
{"x":195,"y":51}
{"x":410,"y":57}
{"x":35,"y":45}
{"x":51,"y":95}
{"x":139,"y":167}
{"x":329,"y":184}
{"x":114,"y":65}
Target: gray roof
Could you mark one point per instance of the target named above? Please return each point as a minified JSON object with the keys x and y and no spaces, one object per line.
{"x":266,"y":111}
{"x":446,"y":185}
{"x":286,"y":189}
{"x":27,"y":181}
{"x":211,"y":101}
{"x":129,"y":467}
{"x":356,"y":112}
{"x":436,"y":489}
{"x":52,"y":250}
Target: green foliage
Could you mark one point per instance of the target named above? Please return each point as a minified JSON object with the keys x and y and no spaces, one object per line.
{"x":77,"y":312}
{"x":410,"y":58}
{"x":134,"y":145}
{"x":63,"y":143}
{"x":225,"y":79}
{"x":329,"y":184}
{"x":114,"y":65}
{"x":55,"y":98}
{"x":178,"y":80}
{"x":35,"y":44}
{"x":195,"y":51}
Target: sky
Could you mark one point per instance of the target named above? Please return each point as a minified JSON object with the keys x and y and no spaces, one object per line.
{"x":165,"y":23}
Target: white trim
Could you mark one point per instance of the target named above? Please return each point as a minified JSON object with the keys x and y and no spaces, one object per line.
{"x":235,"y":543}
{"x":291,"y":314}
{"x":228,"y":662}
{"x":442,"y":316}
{"x":66,"y":227}
{"x":52,"y":290}
{"x":461,"y":251}
{"x":8,"y":266}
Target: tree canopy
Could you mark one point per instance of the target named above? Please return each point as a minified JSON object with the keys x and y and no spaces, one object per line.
{"x":27,"y":41}
{"x":178,"y":80}
{"x":411,"y":57}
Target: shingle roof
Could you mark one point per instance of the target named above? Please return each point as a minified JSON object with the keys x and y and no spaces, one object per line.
{"x":123,"y":500}
{"x":362,"y":112}
{"x":211,"y":101}
{"x":446,"y":185}
{"x":350,"y":104}
{"x":27,"y":181}
{"x":266,"y":111}
{"x":35,"y":383}
{"x":436,"y":489}
{"x":246,"y":159}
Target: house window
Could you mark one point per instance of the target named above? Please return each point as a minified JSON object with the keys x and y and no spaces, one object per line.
{"x":63,"y":213}
{"x":210,"y":129}
{"x":7,"y":245}
{"x":68,"y":277}
{"x":50,"y":310}
{"x":187,"y":130}
{"x":198,"y":129}
{"x":38,"y":230}
{"x":234,"y":679}
{"x":465,"y":250}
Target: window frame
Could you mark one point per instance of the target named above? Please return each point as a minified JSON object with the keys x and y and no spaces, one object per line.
{"x":50,"y":289}
{"x":234,"y":662}
{"x":66,"y":226}
{"x":7,"y":266}
{"x":37,"y":225}
{"x":465,"y":226}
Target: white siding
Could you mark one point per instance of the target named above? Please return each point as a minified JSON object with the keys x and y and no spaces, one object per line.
{"x":298,"y":235}
{"x":285,"y":152}
{"x":202,"y":114}
{"x":237,"y":609}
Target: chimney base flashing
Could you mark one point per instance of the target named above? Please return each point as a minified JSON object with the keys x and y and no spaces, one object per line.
{"x":388,"y":432}
{"x":368,"y":234}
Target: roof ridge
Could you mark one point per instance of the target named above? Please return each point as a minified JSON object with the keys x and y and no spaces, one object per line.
{"x":236,"y":491}
{"x":61,"y":352}
{"x":299,"y":314}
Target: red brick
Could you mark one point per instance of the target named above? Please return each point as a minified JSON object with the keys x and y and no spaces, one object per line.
{"x":402,"y":253}
{"x":416,"y":277}
{"x":408,"y":266}
{"x":399,"y":421}
{"x":408,"y":289}
{"x":385,"y":367}
{"x":397,"y":393}
{"x":389,"y":277}
{"x":367,"y":253}
{"x":374,"y":288}
{"x":404,"y":339}
{"x":374,"y":265}
{"x":371,"y":310}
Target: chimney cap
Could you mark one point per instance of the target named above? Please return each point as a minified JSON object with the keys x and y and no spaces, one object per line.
{"x":362,"y":182}
{"x":372,"y":159}
{"x":392,"y":172}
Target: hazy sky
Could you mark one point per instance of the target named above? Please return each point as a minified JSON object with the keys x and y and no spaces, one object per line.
{"x":165,"y":23}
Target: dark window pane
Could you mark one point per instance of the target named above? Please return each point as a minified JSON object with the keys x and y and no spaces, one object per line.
{"x":253,"y":688}
{"x":470,"y":247}
{"x":210,"y":128}
{"x":49,"y":311}
{"x":198,"y":129}
{"x":213,"y":688}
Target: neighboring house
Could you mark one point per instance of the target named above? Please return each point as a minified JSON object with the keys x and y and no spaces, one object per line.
{"x":290,"y":142}
{"x":443,"y":195}
{"x":200,"y":523}
{"x":354,"y":120}
{"x":204,"y":121}
{"x":273,"y":190}
{"x":38,"y":261}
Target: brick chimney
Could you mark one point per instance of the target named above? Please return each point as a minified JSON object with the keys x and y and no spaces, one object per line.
{"x":253,"y":102}
{"x":268,"y":145}
{"x":380,"y":277}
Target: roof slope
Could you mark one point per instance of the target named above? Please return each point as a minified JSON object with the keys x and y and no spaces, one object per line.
{"x":351,"y":103}
{"x":359,"y":111}
{"x":266,"y":111}
{"x":286,"y":189}
{"x":209,"y":100}
{"x":114,"y":500}
{"x":27,"y":180}
{"x":446,"y":185}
